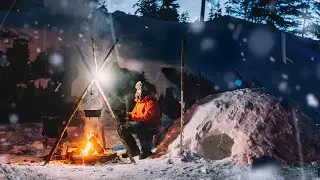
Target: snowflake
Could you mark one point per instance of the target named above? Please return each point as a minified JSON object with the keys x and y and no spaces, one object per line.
{"x":13,"y":118}
{"x":272,"y":59}
{"x":207,"y":44}
{"x":312,"y":100}
{"x":90,"y":16}
{"x":231,"y":26}
{"x":244,"y":40}
{"x":197,"y":27}
{"x":283,"y":86}
{"x":56,"y":59}
{"x":285,"y":76}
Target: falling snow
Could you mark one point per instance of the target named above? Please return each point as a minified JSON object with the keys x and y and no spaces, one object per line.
{"x":285,"y":76}
{"x":207,"y":44}
{"x":312,"y":100}
{"x":231,"y":26}
{"x":272,"y":59}
{"x":197,"y":27}
{"x":261,"y":42}
{"x":283,"y":86}
{"x":13,"y":118}
{"x":56,"y":59}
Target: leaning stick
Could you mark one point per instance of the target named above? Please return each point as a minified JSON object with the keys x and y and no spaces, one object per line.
{"x":67,"y":124}
{"x":116,"y":123}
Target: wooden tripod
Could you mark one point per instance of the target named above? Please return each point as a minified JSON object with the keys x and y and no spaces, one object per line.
{"x":75,"y":108}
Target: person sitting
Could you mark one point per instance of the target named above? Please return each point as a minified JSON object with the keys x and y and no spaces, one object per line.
{"x":144,"y":120}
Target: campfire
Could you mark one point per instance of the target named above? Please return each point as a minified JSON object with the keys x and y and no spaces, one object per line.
{"x":87,"y":151}
{"x":92,"y":146}
{"x":89,"y":147}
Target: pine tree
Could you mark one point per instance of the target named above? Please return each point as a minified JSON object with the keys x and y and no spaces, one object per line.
{"x":103,"y":7}
{"x":184,"y":17}
{"x":305,"y":13}
{"x":215,"y":10}
{"x":276,"y":13}
{"x":147,"y":8}
{"x":169,"y":10}
{"x":315,"y":27}
{"x":211,"y":14}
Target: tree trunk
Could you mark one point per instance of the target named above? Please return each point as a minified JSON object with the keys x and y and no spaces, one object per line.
{"x":305,"y":20}
{"x":203,"y":8}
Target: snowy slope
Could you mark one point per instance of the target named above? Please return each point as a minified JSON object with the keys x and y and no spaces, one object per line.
{"x":157,"y":169}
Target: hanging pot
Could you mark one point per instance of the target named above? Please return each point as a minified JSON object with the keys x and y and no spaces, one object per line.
{"x":92,"y":113}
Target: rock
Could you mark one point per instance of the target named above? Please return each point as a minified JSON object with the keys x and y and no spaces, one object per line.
{"x":4,"y":159}
{"x":169,"y":161}
{"x":254,"y":124}
{"x":38,"y":145}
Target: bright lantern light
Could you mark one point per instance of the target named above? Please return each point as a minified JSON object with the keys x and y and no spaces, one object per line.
{"x":106,"y":78}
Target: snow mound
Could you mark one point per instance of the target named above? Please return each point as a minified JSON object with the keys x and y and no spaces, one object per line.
{"x":243,"y":125}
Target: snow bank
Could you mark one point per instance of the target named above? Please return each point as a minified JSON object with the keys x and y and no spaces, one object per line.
{"x":243,"y":125}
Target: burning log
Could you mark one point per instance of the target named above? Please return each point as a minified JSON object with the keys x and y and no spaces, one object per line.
{"x":92,"y":146}
{"x":96,"y":145}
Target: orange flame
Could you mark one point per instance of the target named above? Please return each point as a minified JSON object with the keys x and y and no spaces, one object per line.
{"x":88,"y":146}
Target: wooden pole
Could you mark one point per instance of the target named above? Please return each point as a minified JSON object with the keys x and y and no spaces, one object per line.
{"x":182,"y":100}
{"x":100,"y":120}
{"x":94,"y":54}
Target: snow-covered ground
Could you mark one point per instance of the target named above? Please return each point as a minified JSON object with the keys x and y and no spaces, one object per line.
{"x":159,"y":169}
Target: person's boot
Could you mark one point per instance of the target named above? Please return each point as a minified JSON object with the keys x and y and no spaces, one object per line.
{"x":145,"y":154}
{"x":134,"y":153}
{"x":146,"y":146}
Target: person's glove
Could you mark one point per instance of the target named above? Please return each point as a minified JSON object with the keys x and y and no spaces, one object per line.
{"x":125,"y":126}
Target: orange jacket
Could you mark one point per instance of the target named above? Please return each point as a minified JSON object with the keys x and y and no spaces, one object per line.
{"x":147,"y":110}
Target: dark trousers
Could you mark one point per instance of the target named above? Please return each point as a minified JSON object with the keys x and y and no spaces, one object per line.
{"x":143,"y":134}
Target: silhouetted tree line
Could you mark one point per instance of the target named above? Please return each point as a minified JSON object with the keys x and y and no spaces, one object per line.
{"x":166,"y":10}
{"x":298,"y":16}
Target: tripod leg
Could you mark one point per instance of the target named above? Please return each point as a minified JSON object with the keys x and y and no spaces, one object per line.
{"x":67,"y":124}
{"x":116,"y":124}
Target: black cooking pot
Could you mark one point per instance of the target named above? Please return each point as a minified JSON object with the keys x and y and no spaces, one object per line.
{"x":93,"y":113}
